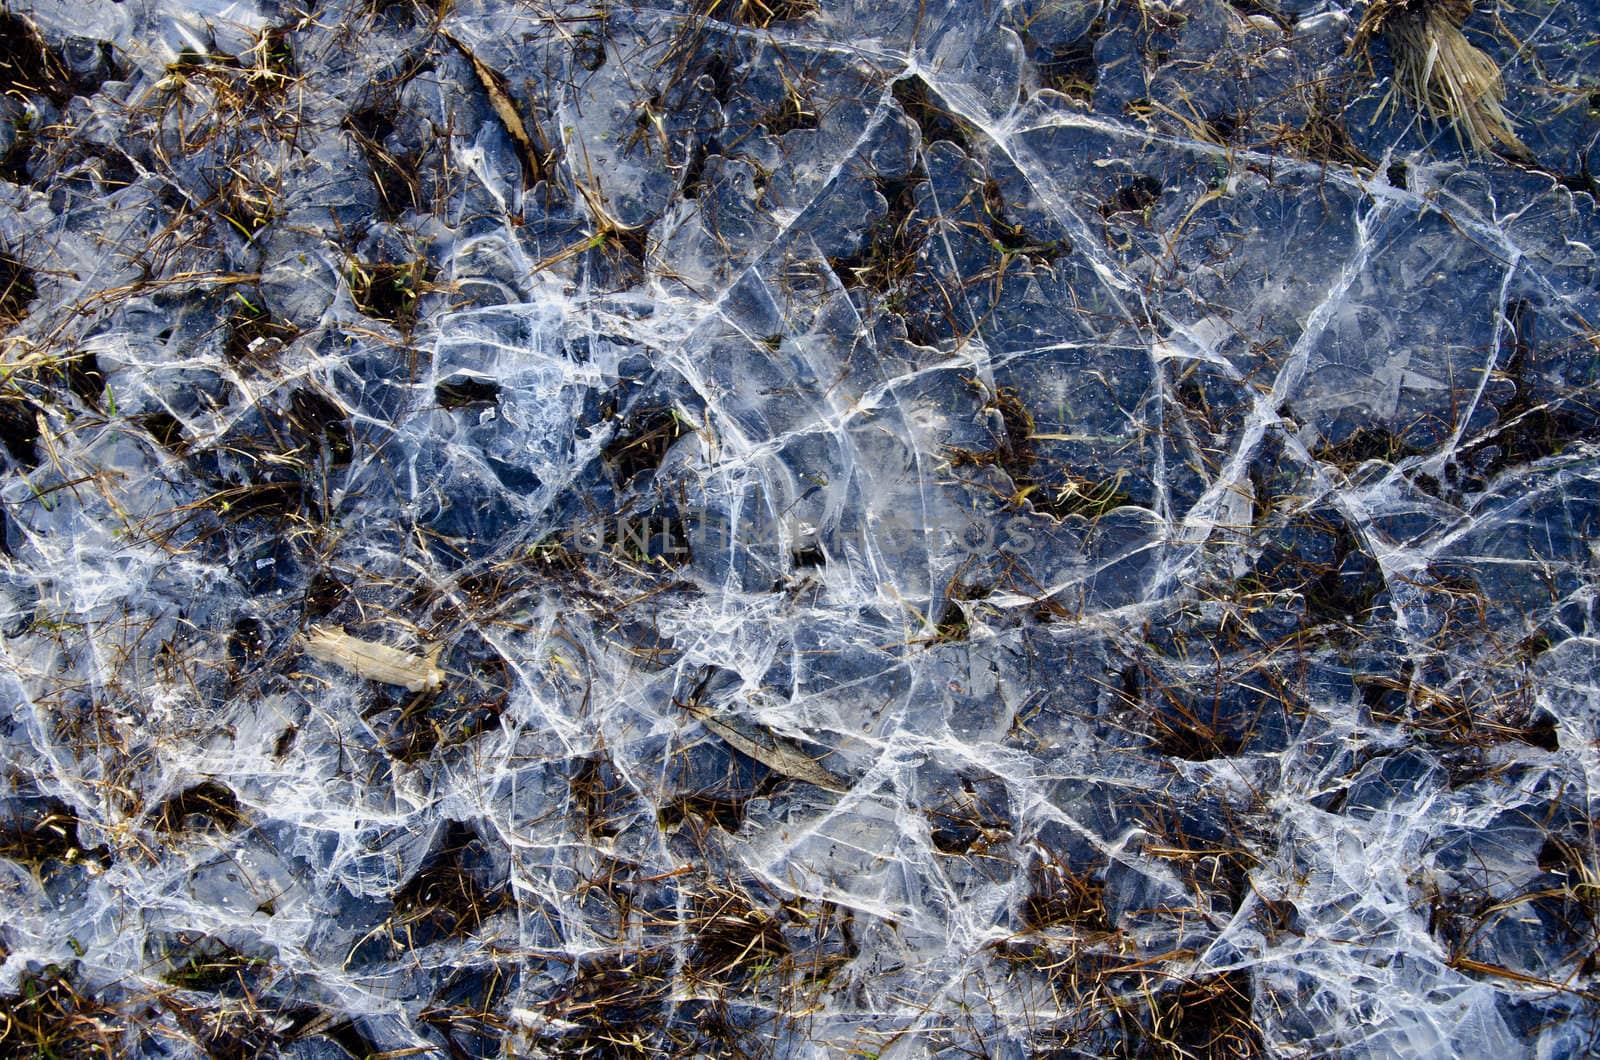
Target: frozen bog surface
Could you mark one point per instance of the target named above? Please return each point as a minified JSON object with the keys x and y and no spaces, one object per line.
{"x":797,"y":528}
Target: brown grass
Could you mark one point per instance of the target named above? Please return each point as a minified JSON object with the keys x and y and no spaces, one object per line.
{"x":1443,"y":72}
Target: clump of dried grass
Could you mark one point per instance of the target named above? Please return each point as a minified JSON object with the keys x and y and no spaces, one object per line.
{"x":1443,"y":72}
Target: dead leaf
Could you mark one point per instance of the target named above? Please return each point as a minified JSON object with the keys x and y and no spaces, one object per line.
{"x":775,"y":752}
{"x":533,"y":158}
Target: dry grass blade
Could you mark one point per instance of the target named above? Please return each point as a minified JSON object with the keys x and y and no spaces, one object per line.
{"x":761,"y":14}
{"x":48,"y":1017}
{"x":1443,"y":72}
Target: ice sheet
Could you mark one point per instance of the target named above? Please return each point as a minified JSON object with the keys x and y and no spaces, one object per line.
{"x":1148,"y":466}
